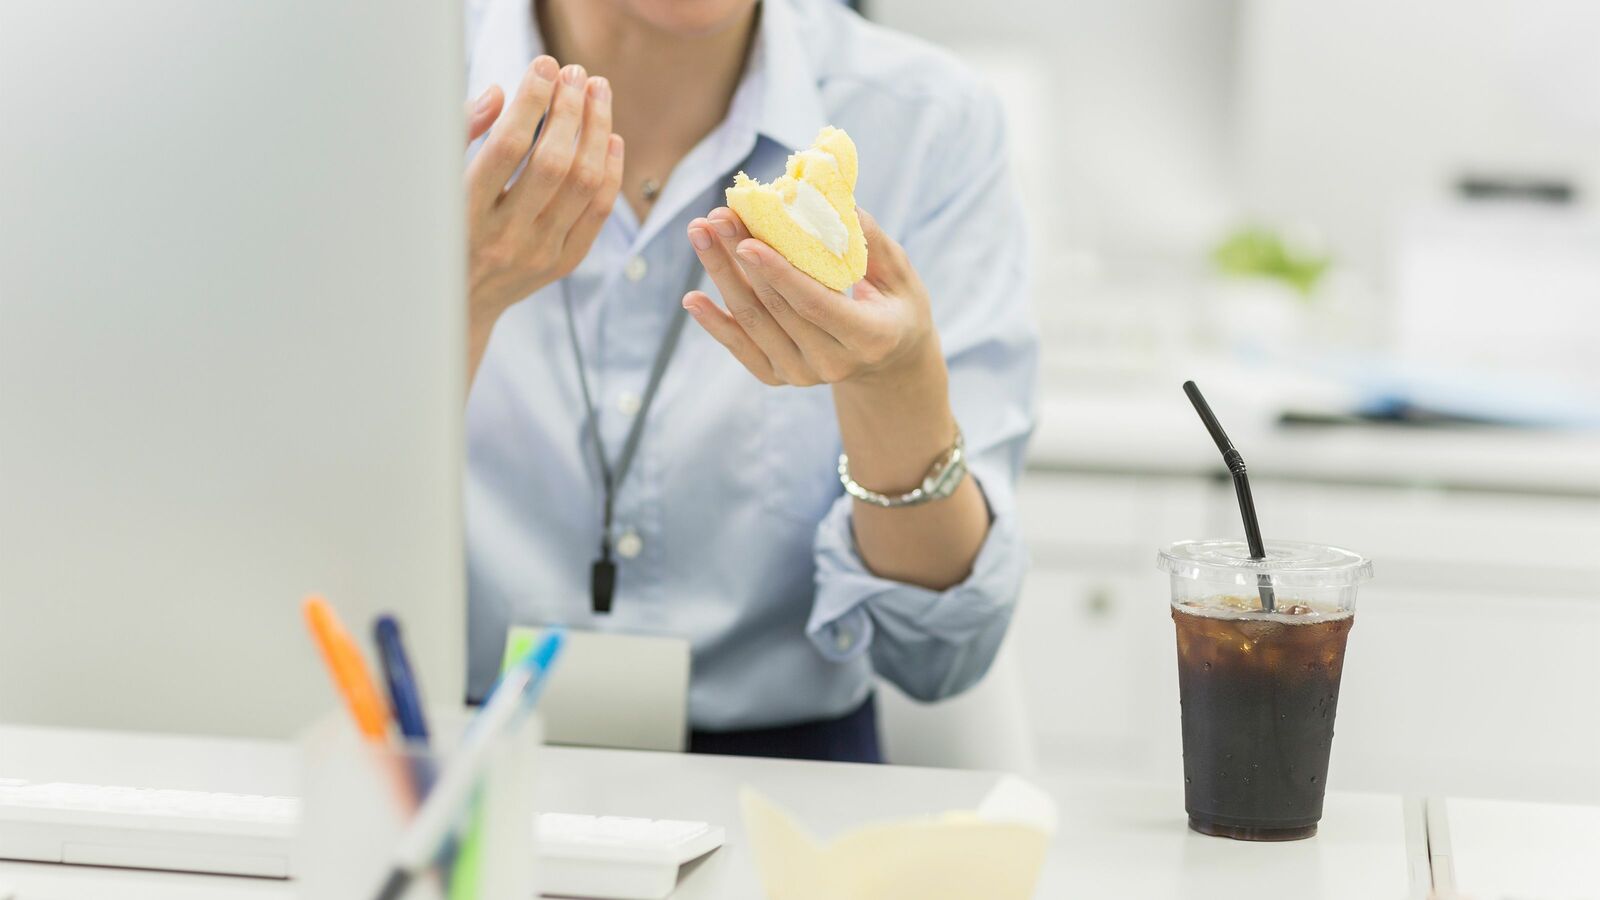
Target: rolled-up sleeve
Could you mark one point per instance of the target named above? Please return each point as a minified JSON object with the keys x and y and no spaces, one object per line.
{"x":967,"y":240}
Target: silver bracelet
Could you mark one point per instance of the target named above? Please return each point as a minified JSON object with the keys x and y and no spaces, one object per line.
{"x":941,"y":481}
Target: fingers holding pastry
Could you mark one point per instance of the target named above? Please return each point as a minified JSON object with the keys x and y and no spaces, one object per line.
{"x":776,"y":282}
{"x":784,"y":252}
{"x":816,"y":316}
{"x":719,"y":263}
{"x":888,"y":268}
{"x":713,"y":241}
{"x":727,"y":332}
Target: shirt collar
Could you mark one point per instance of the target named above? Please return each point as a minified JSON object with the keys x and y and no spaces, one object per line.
{"x":791,"y":100}
{"x":780,"y":74}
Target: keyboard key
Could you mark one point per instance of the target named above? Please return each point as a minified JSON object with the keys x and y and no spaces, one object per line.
{"x":580,"y":855}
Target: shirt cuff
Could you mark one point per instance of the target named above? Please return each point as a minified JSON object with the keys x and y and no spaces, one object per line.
{"x":852,"y":604}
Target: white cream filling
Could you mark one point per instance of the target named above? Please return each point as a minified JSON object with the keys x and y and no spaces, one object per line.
{"x":812,"y":212}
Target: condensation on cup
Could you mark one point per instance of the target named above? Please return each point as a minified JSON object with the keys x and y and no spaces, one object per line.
{"x":1258,"y":690}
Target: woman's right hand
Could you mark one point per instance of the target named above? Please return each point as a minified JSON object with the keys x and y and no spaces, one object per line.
{"x":526,"y":233}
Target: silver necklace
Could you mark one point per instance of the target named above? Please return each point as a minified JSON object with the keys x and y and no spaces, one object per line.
{"x":651,"y":189}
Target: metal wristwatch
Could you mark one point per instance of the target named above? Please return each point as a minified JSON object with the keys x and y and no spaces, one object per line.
{"x":941,"y":481}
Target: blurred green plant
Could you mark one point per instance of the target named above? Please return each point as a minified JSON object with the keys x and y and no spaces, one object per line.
{"x":1257,"y":252}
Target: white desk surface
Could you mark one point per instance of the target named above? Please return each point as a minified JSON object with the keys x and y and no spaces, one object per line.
{"x":1502,"y":849}
{"x":1126,"y":840}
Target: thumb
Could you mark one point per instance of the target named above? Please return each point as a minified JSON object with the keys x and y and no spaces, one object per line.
{"x":482,"y":112}
{"x":887,"y":267}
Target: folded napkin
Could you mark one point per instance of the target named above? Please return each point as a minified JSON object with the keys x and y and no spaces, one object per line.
{"x":994,"y":852}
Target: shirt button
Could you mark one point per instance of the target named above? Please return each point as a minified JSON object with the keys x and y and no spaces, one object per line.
{"x":843,"y":639}
{"x":635,"y":269}
{"x":628,"y":403}
{"x":630,"y":544}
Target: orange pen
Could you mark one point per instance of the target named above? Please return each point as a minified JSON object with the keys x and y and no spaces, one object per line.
{"x":349,"y":671}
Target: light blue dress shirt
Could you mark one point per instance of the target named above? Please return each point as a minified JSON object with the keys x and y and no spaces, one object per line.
{"x":732,"y":530}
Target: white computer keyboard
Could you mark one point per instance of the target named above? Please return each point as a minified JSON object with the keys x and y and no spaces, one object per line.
{"x":607,"y":857}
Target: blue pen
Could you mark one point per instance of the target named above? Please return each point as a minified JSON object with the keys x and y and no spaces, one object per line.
{"x":513,"y":699}
{"x":403,"y":693}
{"x":406,"y":698}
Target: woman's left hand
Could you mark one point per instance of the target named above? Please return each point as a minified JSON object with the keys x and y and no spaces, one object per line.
{"x":880,"y":352}
{"x":787,"y":328}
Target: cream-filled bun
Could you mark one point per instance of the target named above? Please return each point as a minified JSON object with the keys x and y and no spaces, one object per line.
{"x":808,"y":214}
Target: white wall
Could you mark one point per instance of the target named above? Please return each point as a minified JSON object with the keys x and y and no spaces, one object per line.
{"x":1132,"y":103}
{"x":1163,"y":121}
{"x":1351,"y":111}
{"x":1120,"y":117}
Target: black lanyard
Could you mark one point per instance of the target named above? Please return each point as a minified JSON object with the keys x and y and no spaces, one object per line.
{"x":603,"y":575}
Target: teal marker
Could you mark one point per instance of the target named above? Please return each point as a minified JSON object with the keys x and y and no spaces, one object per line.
{"x":510,"y":702}
{"x":464,"y":875}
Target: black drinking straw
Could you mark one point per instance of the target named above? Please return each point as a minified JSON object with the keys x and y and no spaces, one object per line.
{"x":1241,"y":486}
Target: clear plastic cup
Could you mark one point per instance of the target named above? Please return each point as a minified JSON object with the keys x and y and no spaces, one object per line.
{"x":360,"y":796}
{"x":1258,"y":690}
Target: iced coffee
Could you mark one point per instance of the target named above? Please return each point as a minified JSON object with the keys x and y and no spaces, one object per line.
{"x":1259,"y":687}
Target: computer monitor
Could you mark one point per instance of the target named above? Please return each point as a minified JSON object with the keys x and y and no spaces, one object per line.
{"x":231,"y":342}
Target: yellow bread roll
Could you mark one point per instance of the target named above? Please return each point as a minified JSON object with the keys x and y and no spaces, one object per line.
{"x":808,"y":214}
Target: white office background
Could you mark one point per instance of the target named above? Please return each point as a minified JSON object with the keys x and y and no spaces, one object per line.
{"x":1145,"y":130}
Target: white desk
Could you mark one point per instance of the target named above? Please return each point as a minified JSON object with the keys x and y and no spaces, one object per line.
{"x":1499,"y":848}
{"x":1116,"y":840}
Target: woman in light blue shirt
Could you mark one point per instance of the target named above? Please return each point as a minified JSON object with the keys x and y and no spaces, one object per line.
{"x":731,"y":527}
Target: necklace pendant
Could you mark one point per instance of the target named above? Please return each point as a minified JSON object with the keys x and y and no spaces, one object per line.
{"x":651,"y":189}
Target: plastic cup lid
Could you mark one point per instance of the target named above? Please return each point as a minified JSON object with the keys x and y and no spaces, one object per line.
{"x":1290,"y":563}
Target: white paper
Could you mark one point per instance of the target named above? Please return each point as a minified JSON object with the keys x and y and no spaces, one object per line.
{"x":992,"y":853}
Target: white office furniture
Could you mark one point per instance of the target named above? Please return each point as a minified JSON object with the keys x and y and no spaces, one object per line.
{"x":147,"y":828}
{"x":986,"y":727}
{"x":1472,"y":649}
{"x":1115,"y":838}
{"x":1499,"y":848}
{"x":625,"y":691}
{"x":618,"y":857}
{"x":607,"y":857}
{"x":232,"y":297}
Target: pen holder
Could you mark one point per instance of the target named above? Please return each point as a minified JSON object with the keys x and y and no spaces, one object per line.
{"x":360,"y":796}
